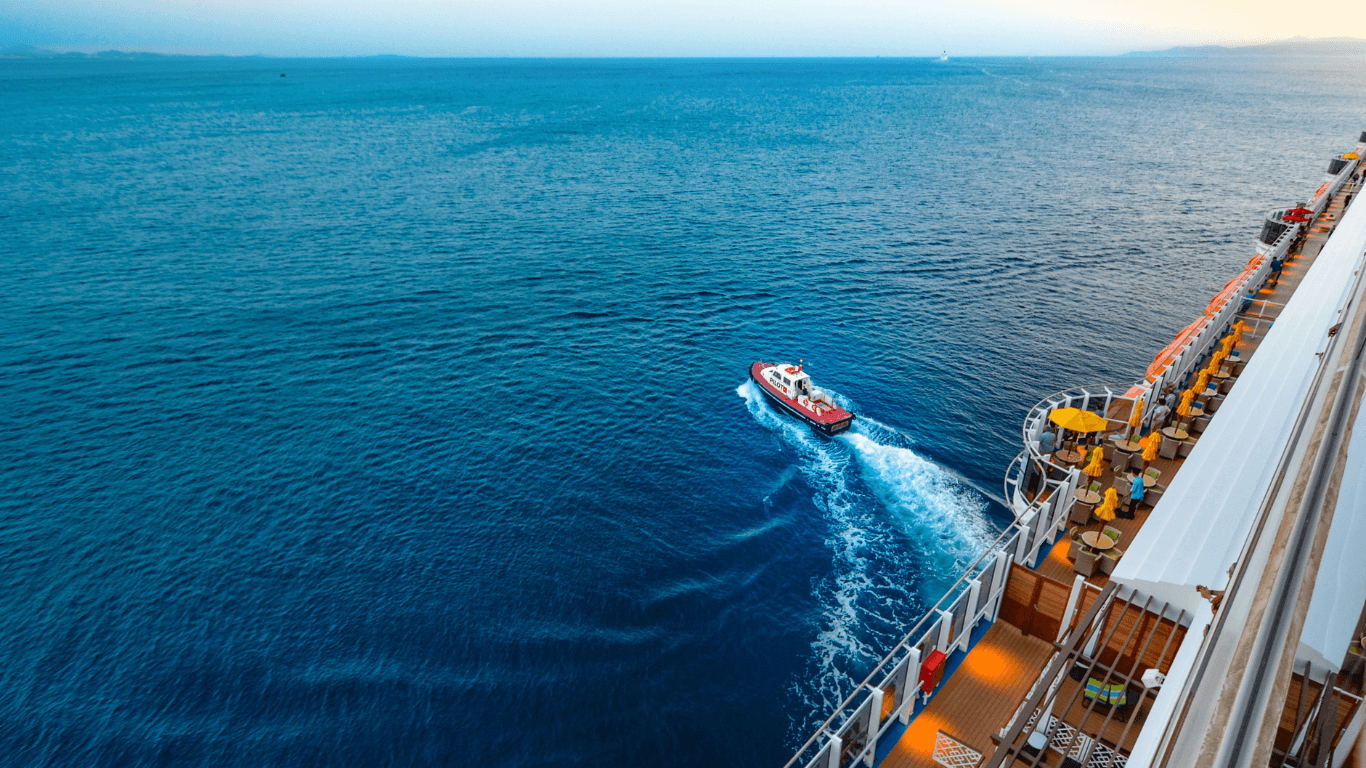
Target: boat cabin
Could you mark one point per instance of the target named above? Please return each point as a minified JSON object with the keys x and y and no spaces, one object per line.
{"x":789,"y":379}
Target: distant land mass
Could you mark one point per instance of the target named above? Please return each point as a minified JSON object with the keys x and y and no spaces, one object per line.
{"x":1297,"y":46}
{"x":30,"y":52}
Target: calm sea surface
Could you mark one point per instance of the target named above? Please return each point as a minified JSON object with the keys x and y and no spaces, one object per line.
{"x":393,"y":412}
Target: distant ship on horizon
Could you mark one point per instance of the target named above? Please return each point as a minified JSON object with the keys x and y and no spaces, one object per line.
{"x":943,"y":57}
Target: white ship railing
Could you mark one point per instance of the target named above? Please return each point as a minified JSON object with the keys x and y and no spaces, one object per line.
{"x":851,"y":734}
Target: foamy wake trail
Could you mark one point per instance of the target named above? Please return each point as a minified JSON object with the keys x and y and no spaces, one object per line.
{"x":944,"y":520}
{"x":839,"y":639}
{"x":891,"y":550}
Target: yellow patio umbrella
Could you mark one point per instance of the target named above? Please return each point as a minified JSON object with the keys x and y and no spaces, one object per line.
{"x":1154,"y":443}
{"x":1227,"y":346}
{"x":1094,"y":469}
{"x":1077,"y":420}
{"x":1201,"y":381}
{"x":1106,"y":510}
{"x":1184,"y":409}
{"x":1136,"y":417}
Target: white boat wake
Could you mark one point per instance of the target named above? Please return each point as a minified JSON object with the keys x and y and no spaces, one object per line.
{"x":900,"y":528}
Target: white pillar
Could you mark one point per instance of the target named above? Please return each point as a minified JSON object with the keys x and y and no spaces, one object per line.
{"x":1072,"y":600}
{"x":874,"y":722}
{"x":945,"y":631}
{"x":836,"y":747}
{"x":998,"y":582}
{"x":1026,"y":523}
{"x":911,"y":687}
{"x":970,"y":620}
{"x":1044,"y":525}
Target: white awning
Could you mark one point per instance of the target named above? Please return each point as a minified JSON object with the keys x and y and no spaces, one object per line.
{"x":1340,"y":586}
{"x":1197,"y":530}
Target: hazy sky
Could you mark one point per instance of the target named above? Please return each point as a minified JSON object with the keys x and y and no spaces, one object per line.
{"x":645,"y":28}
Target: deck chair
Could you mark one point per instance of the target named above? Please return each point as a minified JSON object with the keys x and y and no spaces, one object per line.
{"x":1081,"y":513}
{"x":1154,"y":494}
{"x":1094,"y":487}
{"x":1086,"y":562}
{"x":1168,"y":449}
{"x":1113,"y":534}
{"x":1074,"y":543}
{"x":1109,"y":559}
{"x":1124,"y":485}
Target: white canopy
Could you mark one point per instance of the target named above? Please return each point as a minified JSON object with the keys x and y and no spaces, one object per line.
{"x":1340,"y":586}
{"x":1197,"y":530}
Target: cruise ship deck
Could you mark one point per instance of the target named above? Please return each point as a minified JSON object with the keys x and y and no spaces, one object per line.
{"x":1038,"y":657}
{"x":995,"y":677}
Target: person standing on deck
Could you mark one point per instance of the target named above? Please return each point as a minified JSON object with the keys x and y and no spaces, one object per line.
{"x":1162,"y":413}
{"x":1276,"y":266}
{"x":1135,"y":497}
{"x":1046,"y":443}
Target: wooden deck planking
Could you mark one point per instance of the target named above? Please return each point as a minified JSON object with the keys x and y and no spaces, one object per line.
{"x":978,"y":698}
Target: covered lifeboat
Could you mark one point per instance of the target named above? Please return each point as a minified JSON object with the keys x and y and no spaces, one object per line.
{"x":788,"y":387}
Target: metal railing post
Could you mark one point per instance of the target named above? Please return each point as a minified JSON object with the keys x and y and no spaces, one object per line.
{"x":1072,"y":599}
{"x":1021,"y":549}
{"x":911,"y":691}
{"x":970,"y":620}
{"x":874,"y":721}
{"x":998,"y":586}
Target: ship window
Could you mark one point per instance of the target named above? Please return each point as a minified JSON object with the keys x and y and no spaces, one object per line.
{"x":786,"y":380}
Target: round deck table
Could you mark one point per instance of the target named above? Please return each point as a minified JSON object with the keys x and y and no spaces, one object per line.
{"x":1175,"y":433}
{"x":1097,"y":540}
{"x":1068,"y":457}
{"x":1088,"y":497}
{"x":1127,"y":445}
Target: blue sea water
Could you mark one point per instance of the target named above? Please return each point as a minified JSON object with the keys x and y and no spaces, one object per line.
{"x":393,"y":412}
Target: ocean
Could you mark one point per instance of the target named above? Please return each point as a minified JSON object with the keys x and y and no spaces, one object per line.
{"x":394,"y":411}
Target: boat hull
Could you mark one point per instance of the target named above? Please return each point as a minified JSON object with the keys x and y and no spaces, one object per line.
{"x":828,"y":426}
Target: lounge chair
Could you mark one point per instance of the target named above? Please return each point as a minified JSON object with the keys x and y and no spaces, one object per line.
{"x":1168,"y":449}
{"x":1113,"y":534}
{"x":1186,"y":447}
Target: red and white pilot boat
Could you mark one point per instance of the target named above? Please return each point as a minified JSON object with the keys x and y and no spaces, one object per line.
{"x":792,"y":391}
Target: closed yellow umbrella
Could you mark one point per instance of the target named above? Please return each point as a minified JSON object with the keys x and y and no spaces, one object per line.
{"x":1227,"y":346}
{"x":1201,"y":381}
{"x":1150,"y":450}
{"x":1184,"y":409}
{"x":1094,"y":469}
{"x":1106,"y":510}
{"x":1136,"y":417}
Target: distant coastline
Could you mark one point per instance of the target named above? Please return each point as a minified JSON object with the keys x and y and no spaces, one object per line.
{"x":1317,"y":47}
{"x":1326,"y":46}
